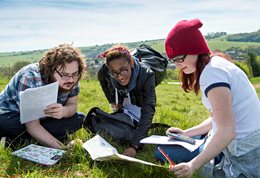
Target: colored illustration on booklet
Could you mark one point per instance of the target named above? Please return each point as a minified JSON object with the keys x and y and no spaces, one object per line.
{"x":40,"y":154}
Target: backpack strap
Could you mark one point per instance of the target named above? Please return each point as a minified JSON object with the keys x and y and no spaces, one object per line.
{"x":87,"y":122}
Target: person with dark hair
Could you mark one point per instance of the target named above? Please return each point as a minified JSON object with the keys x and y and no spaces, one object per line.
{"x":233,"y":130}
{"x":64,"y":64}
{"x":127,"y":83}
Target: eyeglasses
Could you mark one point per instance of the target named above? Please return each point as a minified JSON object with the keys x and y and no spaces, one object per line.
{"x":178,"y":59}
{"x":122,"y":72}
{"x":67,"y":77}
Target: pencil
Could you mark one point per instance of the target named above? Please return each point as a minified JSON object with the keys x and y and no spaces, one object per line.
{"x":166,"y":156}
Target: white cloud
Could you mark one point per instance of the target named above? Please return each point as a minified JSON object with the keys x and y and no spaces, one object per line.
{"x":29,"y":25}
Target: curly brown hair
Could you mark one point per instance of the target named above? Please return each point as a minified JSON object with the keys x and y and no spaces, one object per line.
{"x":59,"y":56}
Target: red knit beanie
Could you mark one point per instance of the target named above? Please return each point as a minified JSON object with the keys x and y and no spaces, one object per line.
{"x":186,"y":39}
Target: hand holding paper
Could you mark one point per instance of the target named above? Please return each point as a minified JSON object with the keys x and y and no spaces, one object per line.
{"x":33,"y":101}
{"x":54,"y":110}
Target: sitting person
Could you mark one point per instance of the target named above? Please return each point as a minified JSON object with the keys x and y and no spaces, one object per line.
{"x":63,"y":64}
{"x":131,"y":85}
{"x":234,"y":126}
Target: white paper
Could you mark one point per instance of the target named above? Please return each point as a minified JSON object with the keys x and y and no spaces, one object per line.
{"x":100,"y":150}
{"x":164,"y":140}
{"x":40,"y":154}
{"x":132,"y":110}
{"x":34,"y":100}
{"x":97,"y":147}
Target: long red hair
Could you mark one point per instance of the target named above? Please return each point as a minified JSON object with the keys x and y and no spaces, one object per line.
{"x":190,"y":82}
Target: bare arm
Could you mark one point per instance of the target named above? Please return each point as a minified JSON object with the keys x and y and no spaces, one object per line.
{"x":201,"y":129}
{"x":37,"y":131}
{"x":220,"y":100}
{"x":70,"y":107}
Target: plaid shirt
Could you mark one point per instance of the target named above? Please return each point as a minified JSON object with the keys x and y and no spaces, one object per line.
{"x":28,"y":77}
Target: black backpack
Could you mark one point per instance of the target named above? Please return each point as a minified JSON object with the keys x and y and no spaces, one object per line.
{"x":118,"y":124}
{"x":153,"y":59}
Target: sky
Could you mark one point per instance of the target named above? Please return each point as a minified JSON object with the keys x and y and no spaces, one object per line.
{"x":41,"y":24}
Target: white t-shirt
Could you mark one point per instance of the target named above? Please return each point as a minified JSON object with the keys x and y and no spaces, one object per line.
{"x":245,"y":102}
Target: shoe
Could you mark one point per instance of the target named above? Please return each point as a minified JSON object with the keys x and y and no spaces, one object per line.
{"x":2,"y":142}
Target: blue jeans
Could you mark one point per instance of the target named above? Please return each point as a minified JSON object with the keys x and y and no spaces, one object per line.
{"x":11,"y":127}
{"x":180,"y":154}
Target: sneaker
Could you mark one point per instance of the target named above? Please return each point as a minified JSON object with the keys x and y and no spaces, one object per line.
{"x":2,"y":142}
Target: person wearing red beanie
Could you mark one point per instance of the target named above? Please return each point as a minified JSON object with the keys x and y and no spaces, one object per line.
{"x":233,"y":128}
{"x":185,"y":38}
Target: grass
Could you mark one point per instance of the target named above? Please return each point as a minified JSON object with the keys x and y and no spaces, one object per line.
{"x":9,"y":58}
{"x":255,"y":80}
{"x":224,"y":45}
{"x":174,"y":107}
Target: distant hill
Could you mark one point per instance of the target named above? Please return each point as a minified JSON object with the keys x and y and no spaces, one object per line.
{"x":217,"y":41}
{"x":239,"y":37}
{"x":245,"y":37}
{"x":9,"y":58}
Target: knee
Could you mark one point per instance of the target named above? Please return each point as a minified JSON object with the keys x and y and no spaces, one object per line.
{"x":81,"y":116}
{"x":10,"y":124}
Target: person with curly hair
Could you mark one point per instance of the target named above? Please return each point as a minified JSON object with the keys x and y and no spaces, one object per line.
{"x":64,"y":64}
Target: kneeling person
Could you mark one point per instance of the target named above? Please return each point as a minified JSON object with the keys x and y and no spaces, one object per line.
{"x":131,"y":85}
{"x":63,"y":64}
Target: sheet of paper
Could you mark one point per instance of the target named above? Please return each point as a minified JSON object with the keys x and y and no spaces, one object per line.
{"x":100,"y":150}
{"x":40,"y":154}
{"x":130,"y":159}
{"x":164,"y":140}
{"x":132,"y":110}
{"x":34,"y":100}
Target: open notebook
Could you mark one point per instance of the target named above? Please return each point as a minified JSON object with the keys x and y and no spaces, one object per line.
{"x":40,"y":154}
{"x":165,"y":140}
{"x":100,"y":150}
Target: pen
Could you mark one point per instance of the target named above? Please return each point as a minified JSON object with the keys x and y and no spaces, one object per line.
{"x":166,"y":156}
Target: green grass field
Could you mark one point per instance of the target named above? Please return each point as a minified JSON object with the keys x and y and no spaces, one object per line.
{"x":8,"y":59}
{"x":174,"y":107}
{"x":224,"y":45}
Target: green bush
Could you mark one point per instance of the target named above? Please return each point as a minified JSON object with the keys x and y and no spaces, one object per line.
{"x":254,"y":63}
{"x":18,"y":65}
{"x":172,"y":74}
{"x":245,"y":67}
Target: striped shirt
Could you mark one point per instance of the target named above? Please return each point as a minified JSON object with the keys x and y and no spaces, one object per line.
{"x":28,"y":77}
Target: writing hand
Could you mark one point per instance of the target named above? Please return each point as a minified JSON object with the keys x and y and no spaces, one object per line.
{"x":182,"y":170}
